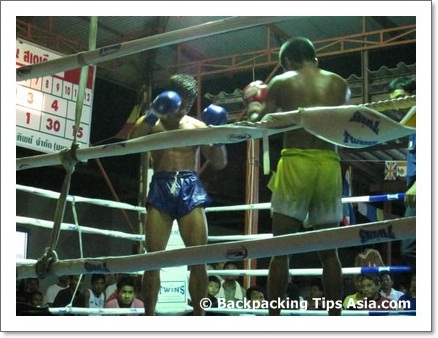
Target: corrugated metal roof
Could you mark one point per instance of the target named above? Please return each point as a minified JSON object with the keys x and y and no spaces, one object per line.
{"x":130,"y":71}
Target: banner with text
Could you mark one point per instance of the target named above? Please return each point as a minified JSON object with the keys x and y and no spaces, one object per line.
{"x":46,"y":107}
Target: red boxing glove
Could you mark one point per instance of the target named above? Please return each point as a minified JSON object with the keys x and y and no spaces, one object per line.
{"x":254,"y":95}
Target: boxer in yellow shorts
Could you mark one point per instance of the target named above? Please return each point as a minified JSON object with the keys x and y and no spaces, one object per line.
{"x":308,"y":183}
{"x":308,"y":179}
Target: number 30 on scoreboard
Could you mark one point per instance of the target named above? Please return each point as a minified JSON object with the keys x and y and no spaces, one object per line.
{"x":46,"y":107}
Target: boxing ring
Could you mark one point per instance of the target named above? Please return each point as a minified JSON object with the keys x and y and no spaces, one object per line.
{"x":235,"y":248}
{"x":358,"y":129}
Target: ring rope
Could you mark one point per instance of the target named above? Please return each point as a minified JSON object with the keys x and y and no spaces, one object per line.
{"x":304,"y":312}
{"x":314,"y":271}
{"x":137,"y":237}
{"x":79,"y":199}
{"x":83,"y":229}
{"x":260,"y":312}
{"x":257,"y":206}
{"x":135,"y":46}
{"x":354,"y":235}
{"x":231,"y":133}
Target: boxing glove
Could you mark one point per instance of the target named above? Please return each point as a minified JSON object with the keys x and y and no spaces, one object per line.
{"x":254,"y":95}
{"x":214,"y":115}
{"x":165,"y":103}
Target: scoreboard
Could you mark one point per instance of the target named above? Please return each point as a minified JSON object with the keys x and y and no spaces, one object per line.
{"x":46,"y":106}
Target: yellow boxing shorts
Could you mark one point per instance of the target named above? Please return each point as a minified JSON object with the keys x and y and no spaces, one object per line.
{"x":308,"y":182}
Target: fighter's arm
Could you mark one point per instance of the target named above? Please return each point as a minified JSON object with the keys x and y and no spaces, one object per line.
{"x":215,"y":154}
{"x":269,"y":105}
{"x":167,"y":102}
{"x":140,"y":128}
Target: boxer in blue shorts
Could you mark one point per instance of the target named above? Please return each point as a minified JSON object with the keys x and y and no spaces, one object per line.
{"x":308,"y":178}
{"x":176,"y":192}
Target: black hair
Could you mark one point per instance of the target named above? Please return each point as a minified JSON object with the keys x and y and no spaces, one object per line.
{"x":125,"y":281}
{"x":406,"y":83}
{"x":95,"y":277}
{"x":253,"y":288}
{"x":184,"y":85}
{"x":298,"y":50}
{"x":215,"y":279}
{"x":374,"y":277}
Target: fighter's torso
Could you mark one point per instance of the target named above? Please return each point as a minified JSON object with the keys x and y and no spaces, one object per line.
{"x":309,"y":87}
{"x":173,"y":159}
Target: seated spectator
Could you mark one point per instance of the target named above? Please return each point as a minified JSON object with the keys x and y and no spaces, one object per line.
{"x":95,"y":297}
{"x":255,"y":294}
{"x":126,"y":297}
{"x":386,"y":289}
{"x":350,"y":301}
{"x":214,"y":285}
{"x":373,"y":300}
{"x":410,"y":296}
{"x":36,"y":299}
{"x":65,"y":296}
{"x":314,"y":300}
{"x":52,"y":290}
{"x":231,"y":289}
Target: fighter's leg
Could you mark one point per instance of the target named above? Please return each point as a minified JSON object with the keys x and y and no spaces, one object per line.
{"x":332,"y":276}
{"x":158,"y":229}
{"x":193,"y":230}
{"x":279,"y":266}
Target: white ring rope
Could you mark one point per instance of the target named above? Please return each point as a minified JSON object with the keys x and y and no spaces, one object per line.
{"x":107,"y":53}
{"x":138,"y":237}
{"x":354,"y":235}
{"x":301,"y":312}
{"x":347,"y":129}
{"x":313,"y":271}
{"x":75,"y":227}
{"x":78,"y":199}
{"x":263,"y":206}
{"x":292,"y":272}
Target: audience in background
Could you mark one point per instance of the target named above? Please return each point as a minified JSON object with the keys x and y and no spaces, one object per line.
{"x":410,"y":296}
{"x":126,"y":295}
{"x":52,"y":290}
{"x":386,"y":289}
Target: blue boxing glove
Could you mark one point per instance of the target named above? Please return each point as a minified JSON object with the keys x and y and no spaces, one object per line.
{"x":166,"y":103}
{"x":214,"y":115}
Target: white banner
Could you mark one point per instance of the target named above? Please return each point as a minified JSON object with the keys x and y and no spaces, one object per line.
{"x":46,"y":106}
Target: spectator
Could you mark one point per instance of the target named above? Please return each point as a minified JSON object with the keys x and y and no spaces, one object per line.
{"x":410,"y":296}
{"x":52,"y":290}
{"x":256,"y":295}
{"x":373,"y":300}
{"x":231,"y":289}
{"x":36,"y":298}
{"x":126,"y":296}
{"x":350,"y":301}
{"x":65,"y":296}
{"x":386,"y":289}
{"x":95,"y":297}
{"x":314,"y":300}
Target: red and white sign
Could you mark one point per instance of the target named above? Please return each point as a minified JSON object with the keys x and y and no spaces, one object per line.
{"x":46,"y":107}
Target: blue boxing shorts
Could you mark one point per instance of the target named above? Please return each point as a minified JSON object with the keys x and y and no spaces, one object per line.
{"x":177,"y":193}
